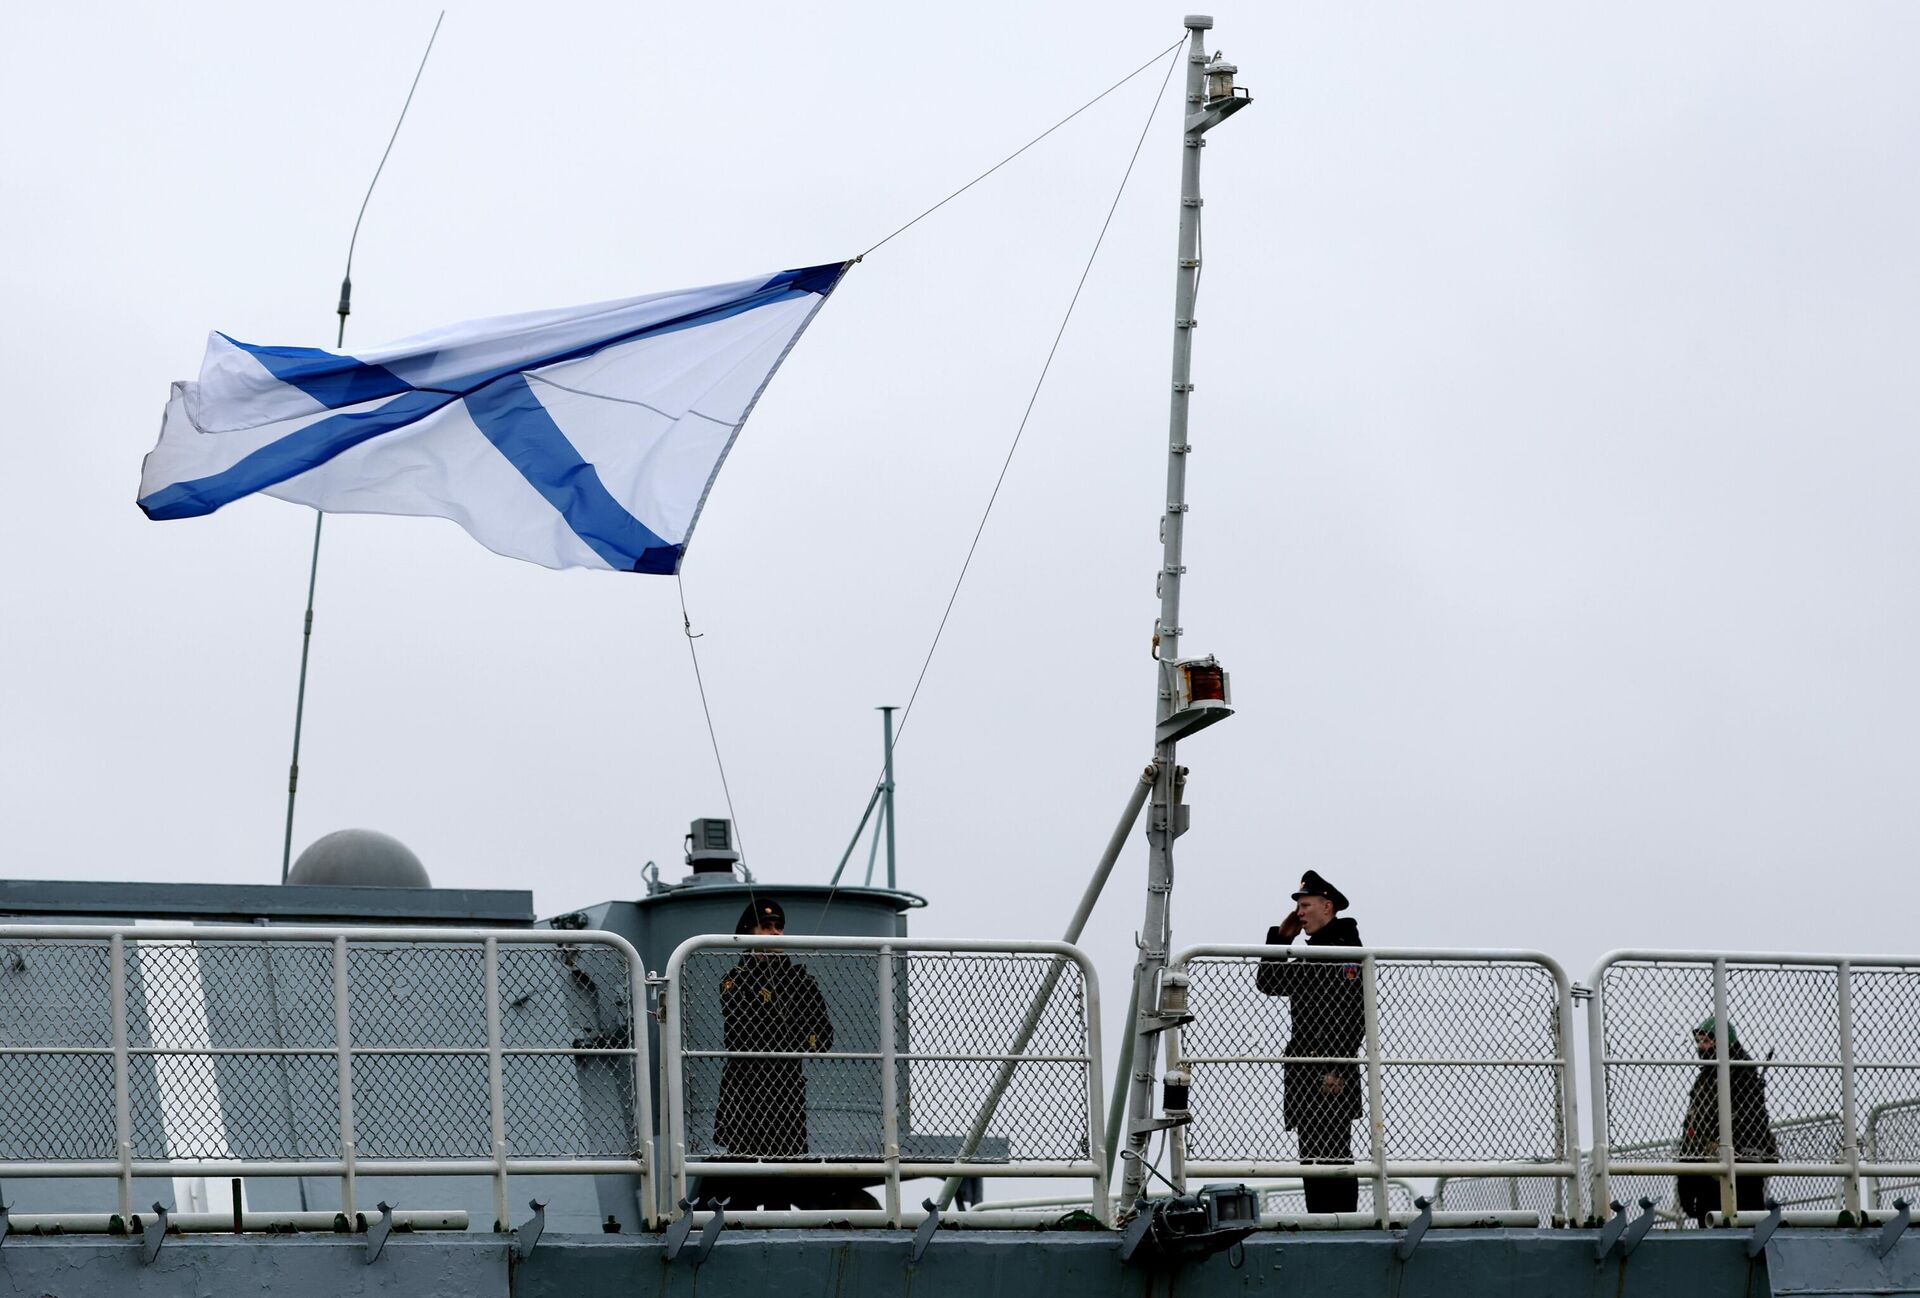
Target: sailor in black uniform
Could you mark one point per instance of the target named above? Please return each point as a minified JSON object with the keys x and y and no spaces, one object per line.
{"x":1320,"y":1100}
{"x":769,"y":1003}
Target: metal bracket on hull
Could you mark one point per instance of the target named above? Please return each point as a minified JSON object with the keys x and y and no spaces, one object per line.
{"x":1764,"y":1231}
{"x":715,"y":1224}
{"x":923,"y":1237}
{"x":378,"y":1231}
{"x":1416,"y":1230}
{"x":677,"y":1233}
{"x":153,"y":1234}
{"x":683,"y":1226}
{"x":1616,"y":1225}
{"x":1891,"y":1232}
{"x":1637,"y":1231}
{"x":525,"y":1237}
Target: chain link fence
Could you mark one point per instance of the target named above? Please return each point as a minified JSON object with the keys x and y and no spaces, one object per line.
{"x":184,"y":1051}
{"x":1695,"y":1057}
{"x":1395,"y":1063}
{"x":1517,"y":1191}
{"x":799,"y":1071}
{"x":1893,"y":1136}
{"x":805,"y":1071}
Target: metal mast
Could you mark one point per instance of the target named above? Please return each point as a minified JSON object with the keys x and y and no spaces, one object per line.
{"x":1191,"y":694}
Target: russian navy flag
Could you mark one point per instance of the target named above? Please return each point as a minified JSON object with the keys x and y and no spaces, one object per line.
{"x":578,"y":438}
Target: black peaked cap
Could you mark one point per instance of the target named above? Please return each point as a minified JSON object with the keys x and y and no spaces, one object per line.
{"x":1312,"y":885}
{"x":763,"y":908}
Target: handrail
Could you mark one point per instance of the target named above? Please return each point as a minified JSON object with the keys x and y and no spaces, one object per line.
{"x":130,"y":1032}
{"x":1851,"y":1165}
{"x":892,"y":1167}
{"x":1374,"y":1161}
{"x":129,"y":950}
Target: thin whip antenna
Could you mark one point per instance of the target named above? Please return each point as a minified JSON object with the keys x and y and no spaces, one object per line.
{"x":319,"y":516}
{"x":1039,"y":383}
{"x":1028,"y":145}
{"x":346,"y":280}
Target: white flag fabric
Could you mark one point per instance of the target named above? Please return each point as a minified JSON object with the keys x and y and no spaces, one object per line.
{"x":578,"y":438}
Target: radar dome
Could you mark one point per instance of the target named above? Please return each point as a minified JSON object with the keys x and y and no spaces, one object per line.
{"x":359,"y":858}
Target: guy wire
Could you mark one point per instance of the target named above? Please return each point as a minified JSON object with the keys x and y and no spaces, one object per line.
{"x":739,"y":839}
{"x":906,"y":713}
{"x":1029,"y":144}
{"x":1033,"y":397}
{"x":319,"y":516}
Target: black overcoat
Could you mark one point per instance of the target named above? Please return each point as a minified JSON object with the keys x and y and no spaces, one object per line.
{"x":1329,"y":1020}
{"x":769,"y":1003}
{"x":1753,"y":1139}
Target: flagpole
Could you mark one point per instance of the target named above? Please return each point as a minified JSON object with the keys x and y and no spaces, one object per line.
{"x":319,"y":516}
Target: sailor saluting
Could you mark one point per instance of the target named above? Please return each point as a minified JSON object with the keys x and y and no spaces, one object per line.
{"x":1320,"y":1099}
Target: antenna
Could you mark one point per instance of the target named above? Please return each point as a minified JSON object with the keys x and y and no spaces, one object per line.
{"x":883,"y":800}
{"x":319,"y":517}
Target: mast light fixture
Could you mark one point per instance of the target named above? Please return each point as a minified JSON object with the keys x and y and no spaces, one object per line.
{"x":1203,"y":694}
{"x":1220,"y":80}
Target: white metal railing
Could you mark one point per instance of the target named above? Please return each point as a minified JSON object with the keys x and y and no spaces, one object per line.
{"x":1465,"y":1059}
{"x":1793,"y":1194}
{"x":1893,"y":1136}
{"x":346,"y":1052}
{"x":1829,"y":1035}
{"x":1511,"y":1192}
{"x":894,"y":1059}
{"x":244,"y":1051}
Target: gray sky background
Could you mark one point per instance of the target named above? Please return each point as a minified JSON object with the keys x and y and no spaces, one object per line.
{"x":1553,"y":487}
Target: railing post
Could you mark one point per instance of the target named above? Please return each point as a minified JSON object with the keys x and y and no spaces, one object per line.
{"x":1723,"y":1082}
{"x":1376,"y":1118}
{"x":343,"y":1060}
{"x":1599,"y":1193}
{"x":1569,"y":1118}
{"x":496,"y":1088}
{"x":673,"y":1132}
{"x":889,"y":1086}
{"x":640,"y":1076}
{"x":1096,"y":1133}
{"x":1850,"y":1131}
{"x":122,"y":1091}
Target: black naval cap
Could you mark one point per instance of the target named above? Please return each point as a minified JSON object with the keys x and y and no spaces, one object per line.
{"x":762,"y":910}
{"x":1312,"y":885}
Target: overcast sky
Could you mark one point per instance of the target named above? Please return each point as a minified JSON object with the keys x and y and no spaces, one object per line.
{"x":1553,"y":486}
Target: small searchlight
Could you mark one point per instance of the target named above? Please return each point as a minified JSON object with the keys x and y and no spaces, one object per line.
{"x":1188,"y":1227}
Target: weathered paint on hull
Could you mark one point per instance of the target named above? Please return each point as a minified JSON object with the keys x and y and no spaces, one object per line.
{"x":873,"y":1264}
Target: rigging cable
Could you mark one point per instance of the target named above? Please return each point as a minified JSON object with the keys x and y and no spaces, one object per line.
{"x":739,"y":839}
{"x":1029,"y":144}
{"x":907,"y":712}
{"x":1040,"y":382}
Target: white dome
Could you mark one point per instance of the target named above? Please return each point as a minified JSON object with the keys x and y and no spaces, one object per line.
{"x":359,"y":858}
